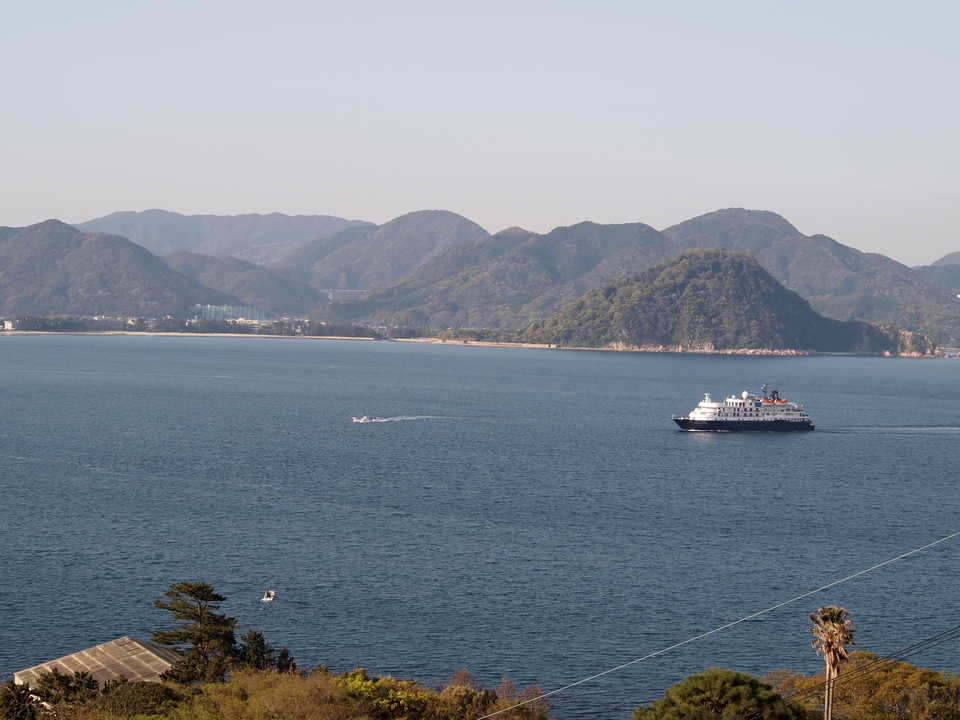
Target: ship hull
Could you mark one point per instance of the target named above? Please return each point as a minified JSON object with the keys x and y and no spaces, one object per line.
{"x":743,"y":425}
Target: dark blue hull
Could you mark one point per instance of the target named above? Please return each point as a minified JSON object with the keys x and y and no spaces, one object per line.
{"x":743,"y":425}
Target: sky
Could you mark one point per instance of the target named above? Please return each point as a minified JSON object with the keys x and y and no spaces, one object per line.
{"x":844,"y":118}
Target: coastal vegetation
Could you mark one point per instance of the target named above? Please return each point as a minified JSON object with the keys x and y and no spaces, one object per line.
{"x":719,"y":693}
{"x":220,"y":679}
{"x":259,"y":695}
{"x":872,"y":688}
{"x":200,"y":326}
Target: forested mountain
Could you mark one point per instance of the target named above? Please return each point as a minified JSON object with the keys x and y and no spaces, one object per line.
{"x":946,"y":276}
{"x":254,"y":285}
{"x":709,"y":300}
{"x":839,"y":281}
{"x":505,"y":280}
{"x":436,"y":269}
{"x":262,"y":239}
{"x":54,"y":269}
{"x":514,"y":277}
{"x":951,"y":259}
{"x":361,"y":257}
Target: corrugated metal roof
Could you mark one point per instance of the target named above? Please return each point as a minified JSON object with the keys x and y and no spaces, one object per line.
{"x":136,"y":660}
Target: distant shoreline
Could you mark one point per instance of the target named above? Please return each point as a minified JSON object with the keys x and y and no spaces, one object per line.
{"x":759,"y":352}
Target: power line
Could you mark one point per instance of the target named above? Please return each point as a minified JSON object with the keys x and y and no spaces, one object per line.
{"x":724,"y":627}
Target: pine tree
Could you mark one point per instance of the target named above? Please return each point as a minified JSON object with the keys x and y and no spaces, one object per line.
{"x":206,"y":642}
{"x":256,"y":652}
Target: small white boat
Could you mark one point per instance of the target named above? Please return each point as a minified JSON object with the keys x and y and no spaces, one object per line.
{"x":268,"y":595}
{"x":362,"y":418}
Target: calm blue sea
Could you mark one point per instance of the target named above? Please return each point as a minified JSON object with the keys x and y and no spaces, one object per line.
{"x":529,"y":514}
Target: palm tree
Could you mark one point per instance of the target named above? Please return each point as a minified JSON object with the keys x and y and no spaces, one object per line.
{"x":832,"y":632}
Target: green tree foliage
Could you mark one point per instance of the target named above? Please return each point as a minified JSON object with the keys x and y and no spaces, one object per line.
{"x":124,"y":699}
{"x":79,"y":696}
{"x":32,"y":323}
{"x":56,"y":688}
{"x":720,"y":693}
{"x":872,"y":688}
{"x":17,"y":702}
{"x":316,"y":329}
{"x":285,"y":663}
{"x":461,"y":697}
{"x":206,"y":641}
{"x":255,"y":653}
{"x":204,"y":325}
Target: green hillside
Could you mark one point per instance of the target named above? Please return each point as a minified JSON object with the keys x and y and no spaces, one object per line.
{"x":748,"y":231}
{"x":359,"y":258}
{"x":839,"y":281}
{"x":254,"y":285}
{"x":709,"y":300}
{"x":946,"y":276}
{"x":510,"y":279}
{"x":54,"y":269}
{"x":505,"y":280}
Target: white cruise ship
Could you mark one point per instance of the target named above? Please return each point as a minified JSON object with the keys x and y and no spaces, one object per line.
{"x":746,"y":413}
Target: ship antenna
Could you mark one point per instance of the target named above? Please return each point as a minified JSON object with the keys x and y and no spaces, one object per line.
{"x":764,"y":388}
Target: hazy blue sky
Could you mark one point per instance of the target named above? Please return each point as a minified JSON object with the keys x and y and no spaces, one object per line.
{"x":844,"y":117}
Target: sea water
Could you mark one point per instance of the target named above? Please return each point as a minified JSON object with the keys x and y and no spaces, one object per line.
{"x":523,"y":513}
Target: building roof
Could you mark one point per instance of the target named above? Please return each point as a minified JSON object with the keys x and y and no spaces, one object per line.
{"x":135,"y":660}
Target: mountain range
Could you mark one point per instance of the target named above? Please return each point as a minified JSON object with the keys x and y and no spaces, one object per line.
{"x":839,"y":281}
{"x":54,"y":269}
{"x":437,"y":269}
{"x":360,"y":257}
{"x":252,"y":284}
{"x":514,"y":277}
{"x":262,"y":239}
{"x":508,"y":279}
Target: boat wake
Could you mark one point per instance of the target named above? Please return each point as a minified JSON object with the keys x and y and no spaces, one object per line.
{"x":899,"y":430}
{"x":398,"y":418}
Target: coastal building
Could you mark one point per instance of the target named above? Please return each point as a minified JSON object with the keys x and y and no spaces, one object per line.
{"x":135,"y":660}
